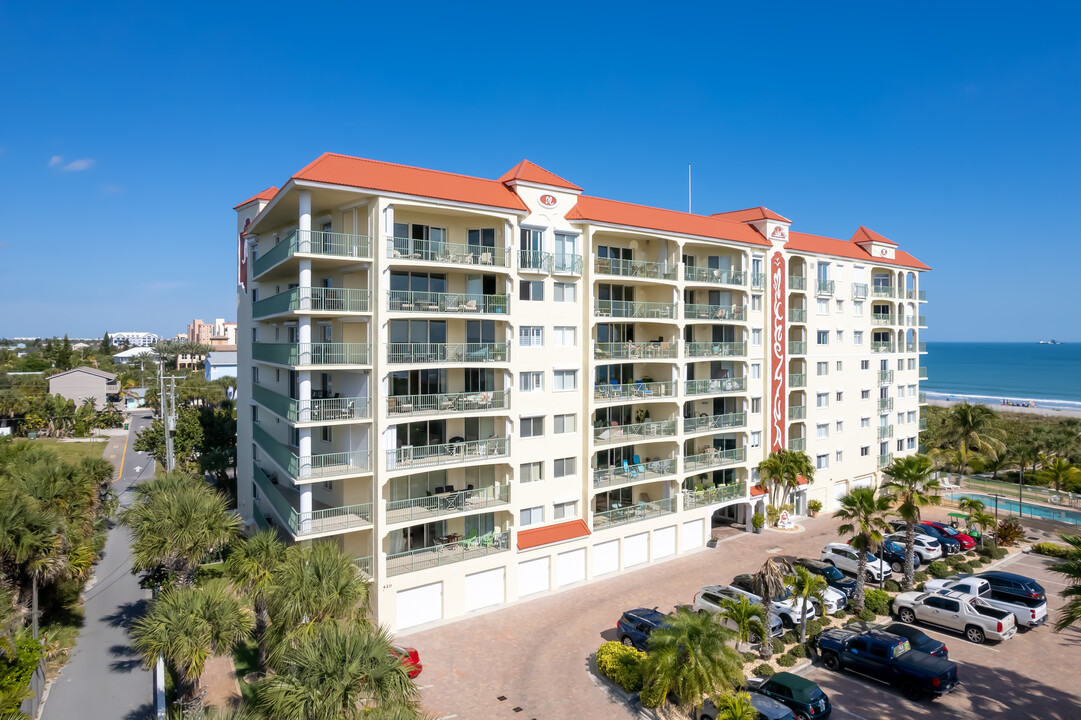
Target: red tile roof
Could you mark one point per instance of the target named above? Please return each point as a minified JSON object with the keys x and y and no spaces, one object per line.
{"x":750,"y":215}
{"x":862,"y":234}
{"x":757,"y":490}
{"x":642,"y":216}
{"x":267,"y":194}
{"x":391,"y":177}
{"x":802,"y":242}
{"x":531,"y":172}
{"x":552,"y":534}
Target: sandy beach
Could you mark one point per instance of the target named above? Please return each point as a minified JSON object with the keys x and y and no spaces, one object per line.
{"x":998,"y":407}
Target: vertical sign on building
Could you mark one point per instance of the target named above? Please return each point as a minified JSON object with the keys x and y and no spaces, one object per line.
{"x":778,"y":404}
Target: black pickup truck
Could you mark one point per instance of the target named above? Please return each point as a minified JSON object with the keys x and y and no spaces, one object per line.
{"x":889,"y":659}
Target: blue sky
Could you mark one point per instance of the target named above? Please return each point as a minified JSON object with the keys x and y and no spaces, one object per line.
{"x":128,"y":132}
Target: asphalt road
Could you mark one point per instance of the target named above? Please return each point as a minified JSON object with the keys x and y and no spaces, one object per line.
{"x":105,"y":680}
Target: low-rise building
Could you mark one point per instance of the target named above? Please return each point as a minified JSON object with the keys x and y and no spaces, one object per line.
{"x":84,"y":383}
{"x":219,"y":364}
{"x":133,"y":338}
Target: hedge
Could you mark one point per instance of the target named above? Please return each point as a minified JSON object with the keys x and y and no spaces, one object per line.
{"x":792,"y":636}
{"x":786,"y":661}
{"x":1050,"y":549}
{"x":15,"y":670}
{"x":652,"y":696}
{"x":939,"y":569}
{"x":955,"y":560}
{"x":814,"y":627}
{"x":778,"y":646}
{"x":749,"y":657}
{"x":964,"y":568}
{"x":798,"y":651}
{"x":876,"y":601}
{"x":921,"y":576}
{"x":892,"y":586}
{"x":840,"y":614}
{"x":763,"y":670}
{"x":621,"y":664}
{"x":867,"y":616}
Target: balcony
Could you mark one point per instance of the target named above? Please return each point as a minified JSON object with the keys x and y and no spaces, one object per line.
{"x":631,"y":350}
{"x":713,"y":458}
{"x":923,"y":373}
{"x":797,"y":347}
{"x":758,"y":281}
{"x":447,"y":553}
{"x":312,"y":354}
{"x":885,"y":460}
{"x":313,"y":467}
{"x":716,"y":349}
{"x":797,"y":412}
{"x":881,"y":319}
{"x":564,"y":264}
{"x":434,"y":506}
{"x":456,"y":453}
{"x":882,"y":291}
{"x":313,"y":242}
{"x":447,"y":403}
{"x":534,"y":261}
{"x":797,"y":444}
{"x":634,"y":391}
{"x":797,"y":282}
{"x":714,"y":386}
{"x":631,"y":309}
{"x":364,"y":564}
{"x":450,"y":253}
{"x":638,"y":432}
{"x":923,"y":423}
{"x":636,"y":268}
{"x":859,"y":291}
{"x":824,"y":287}
{"x":798,"y":315}
{"x":922,"y":295}
{"x":909,"y":347}
{"x":316,"y":410}
{"x":633,"y":513}
{"x":317,"y":522}
{"x":406,"y":301}
{"x":797,"y":380}
{"x":640,"y":472}
{"x":922,"y":347}
{"x":922,"y":321}
{"x":885,"y":404}
{"x":737,"y":313}
{"x":314,"y":300}
{"x":713,"y":275}
{"x":923,"y":398}
{"x":468,"y":353}
{"x":885,"y":431}
{"x":882,"y":346}
{"x":711,"y":496}
{"x":885,"y":377}
{"x":714,"y":422}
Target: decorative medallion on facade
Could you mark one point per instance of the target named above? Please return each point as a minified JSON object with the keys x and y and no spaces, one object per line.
{"x":778,"y":352}
{"x":548,"y":200}
{"x":778,"y":233}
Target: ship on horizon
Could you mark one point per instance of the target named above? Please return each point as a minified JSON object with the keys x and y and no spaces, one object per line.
{"x":1050,"y":342}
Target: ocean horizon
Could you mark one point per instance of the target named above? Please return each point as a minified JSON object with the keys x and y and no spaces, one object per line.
{"x":1012,"y":371}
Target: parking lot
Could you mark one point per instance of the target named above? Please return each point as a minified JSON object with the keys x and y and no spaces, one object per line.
{"x":531,"y":660}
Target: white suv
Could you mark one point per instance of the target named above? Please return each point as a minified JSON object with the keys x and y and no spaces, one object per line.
{"x":789,"y":609}
{"x":846,"y":558}
{"x":927,"y":548}
{"x":708,"y":599}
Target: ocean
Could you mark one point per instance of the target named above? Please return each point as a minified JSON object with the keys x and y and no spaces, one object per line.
{"x":992,"y":372}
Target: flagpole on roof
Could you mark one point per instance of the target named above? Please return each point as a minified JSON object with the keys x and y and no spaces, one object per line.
{"x":688,"y":188}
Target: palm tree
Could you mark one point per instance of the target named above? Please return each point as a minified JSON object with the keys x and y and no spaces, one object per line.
{"x":771,"y":472}
{"x":689,"y":658}
{"x":768,"y":583}
{"x":911,"y":487}
{"x":251,"y":565}
{"x":781,"y":470}
{"x":736,"y":706}
{"x":865,"y":517}
{"x":982,"y":518}
{"x":186,"y":626}
{"x":748,"y":617}
{"x":1070,"y":567}
{"x":1058,"y":472}
{"x":807,"y":587}
{"x":338,"y":673}
{"x":971,"y":427}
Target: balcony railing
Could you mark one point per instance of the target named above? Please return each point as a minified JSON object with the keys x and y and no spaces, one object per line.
{"x":824,"y":287}
{"x":797,"y":380}
{"x":447,"y":453}
{"x":315,"y":410}
{"x":885,"y":377}
{"x":315,"y":300}
{"x":447,"y":403}
{"x":885,"y":460}
{"x":639,"y":472}
{"x":716,"y":349}
{"x":922,"y":346}
{"x":636,"y":268}
{"x":923,"y":423}
{"x":882,"y":319}
{"x":564,"y":264}
{"x":797,"y":347}
{"x":885,"y":431}
{"x":434,"y":506}
{"x":410,"y":353}
{"x":909,"y":347}
{"x":714,"y":422}
{"x":325,"y":520}
{"x":452,"y":253}
{"x":632,"y":350}
{"x":882,"y":291}
{"x":922,"y":321}
{"x":714,"y":386}
{"x":713,"y":458}
{"x":923,"y":373}
{"x":882,"y":346}
{"x":447,"y":553}
{"x":437,"y":302}
{"x":364,"y":564}
{"x":607,"y":392}
{"x":631,"y":309}
{"x":712,"y":275}
{"x":923,"y":398}
{"x":797,"y":412}
{"x":633,"y":513}
{"x":314,"y":242}
{"x":797,"y":444}
{"x":536,"y":261}
{"x":885,"y":404}
{"x":304,"y":354}
{"x":859,"y":291}
{"x":797,"y":315}
{"x":711,"y":496}
{"x":715,"y":312}
{"x":797,"y":282}
{"x":922,"y":295}
{"x":758,"y":281}
{"x":313,"y":467}
{"x":634,"y":433}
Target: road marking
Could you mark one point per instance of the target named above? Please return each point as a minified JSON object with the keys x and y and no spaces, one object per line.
{"x":425,"y":687}
{"x":849,"y":712}
{"x":447,"y":717}
{"x":120,"y":472}
{"x":954,"y":636}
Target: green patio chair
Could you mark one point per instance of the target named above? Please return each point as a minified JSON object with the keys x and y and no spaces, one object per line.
{"x":471,"y":538}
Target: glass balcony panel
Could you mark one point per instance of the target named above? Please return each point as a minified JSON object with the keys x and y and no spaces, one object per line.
{"x":859,"y":291}
{"x":714,"y":275}
{"x":737,"y":313}
{"x":714,"y":422}
{"x":637,"y":432}
{"x":716,"y":349}
{"x":447,"y":553}
{"x":447,"y":403}
{"x":534,"y":261}
{"x":797,"y":347}
{"x":433,"y":302}
{"x":630,"y":350}
{"x":410,"y":353}
{"x":636,"y":268}
{"x":447,"y":453}
{"x":630,"y":309}
{"x":797,"y":282}
{"x":797,"y":444}
{"x":633,"y":513}
{"x":713,"y":458}
{"x":314,"y":242}
{"x":882,"y":291}
{"x":563,"y":264}
{"x":716,"y":386}
{"x":653,"y":470}
{"x":797,"y":412}
{"x":797,"y":380}
{"x":797,"y":315}
{"x":303,"y":354}
{"x":711,"y":496}
{"x":634,"y":391}
{"x":443,"y":252}
{"x":824,"y":287}
{"x":435,"y":506}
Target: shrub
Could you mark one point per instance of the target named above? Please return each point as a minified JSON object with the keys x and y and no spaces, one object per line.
{"x":1010,"y":531}
{"x":892,"y":586}
{"x":921,"y":576}
{"x":778,"y":646}
{"x":749,"y":657}
{"x":652,"y":696}
{"x":792,"y":636}
{"x":621,"y":665}
{"x":955,"y":560}
{"x":1001,"y":553}
{"x":939,"y":569}
{"x":814,"y":627}
{"x":1050,"y":549}
{"x":763,"y":670}
{"x":877,"y":602}
{"x":840,"y":614}
{"x":986,"y":551}
{"x":815,"y":506}
{"x":867,"y":615}
{"x":798,"y":651}
{"x":854,"y":619}
{"x":786,"y":661}
{"x":964,"y":568}
{"x":15,"y":670}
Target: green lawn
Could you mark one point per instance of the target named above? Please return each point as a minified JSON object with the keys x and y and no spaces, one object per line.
{"x":246,"y":660}
{"x":71,"y":451}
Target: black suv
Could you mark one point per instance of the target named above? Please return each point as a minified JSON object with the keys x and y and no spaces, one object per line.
{"x":834,"y":577}
{"x":1012,"y":584}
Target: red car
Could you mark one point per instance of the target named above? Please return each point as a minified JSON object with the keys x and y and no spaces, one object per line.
{"x":410,"y":659}
{"x":967,"y":543}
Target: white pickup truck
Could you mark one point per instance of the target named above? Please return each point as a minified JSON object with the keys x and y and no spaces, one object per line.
{"x":1028,"y":612}
{"x":965,"y":614}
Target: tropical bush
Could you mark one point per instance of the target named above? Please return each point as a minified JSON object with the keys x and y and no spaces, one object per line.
{"x":786,"y":661}
{"x":749,"y":657}
{"x":778,"y":646}
{"x":1050,"y":549}
{"x":621,"y":664}
{"x":921,"y":576}
{"x":963,"y":568}
{"x":986,"y":551}
{"x":763,"y":670}
{"x":798,"y":651}
{"x":815,"y":506}
{"x":877,"y":602}
{"x":652,"y":695}
{"x":891,"y":586}
{"x":790,"y":637}
{"x":1010,"y":531}
{"x":814,"y":627}
{"x":1000,"y":553}
{"x":867,"y":615}
{"x":955,"y":560}
{"x":16,"y":669}
{"x":840,"y":614}
{"x":939,"y":569}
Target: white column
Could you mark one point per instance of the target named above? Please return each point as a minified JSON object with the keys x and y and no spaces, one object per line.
{"x":305,"y":507}
{"x":304,"y":397}
{"x":304,"y":221}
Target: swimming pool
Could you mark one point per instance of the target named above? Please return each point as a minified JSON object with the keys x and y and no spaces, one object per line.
{"x":1024,"y":510}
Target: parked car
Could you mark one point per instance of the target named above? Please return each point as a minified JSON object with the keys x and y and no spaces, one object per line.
{"x":919,"y":640}
{"x":888,"y":659}
{"x":1027,"y":611}
{"x":410,"y":659}
{"x":798,"y":694}
{"x":1013,"y":584}
{"x":835,"y":600}
{"x":846,"y":558}
{"x":924,"y":547}
{"x":708,"y":599}
{"x":894,"y":554}
{"x":767,"y":707}
{"x":634,"y":626}
{"x":965,"y":614}
{"x":834,"y":577}
{"x":949,"y":545}
{"x":966,"y":541}
{"x":789,"y":610}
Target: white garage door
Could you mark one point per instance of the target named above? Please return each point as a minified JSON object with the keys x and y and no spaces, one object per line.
{"x":867,"y":481}
{"x":605,"y":557}
{"x":840,"y":490}
{"x":571,"y":567}
{"x":635,"y":550}
{"x":664,"y":542}
{"x":485,"y":589}
{"x":420,"y":605}
{"x":533,"y":576}
{"x":693,"y":532}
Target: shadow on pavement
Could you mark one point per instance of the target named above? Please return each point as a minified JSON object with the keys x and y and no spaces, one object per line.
{"x":126,"y":614}
{"x":131,"y":659}
{"x":143,"y":712}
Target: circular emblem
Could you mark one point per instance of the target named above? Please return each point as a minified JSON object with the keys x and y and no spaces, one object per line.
{"x":882,"y":252}
{"x":548,"y":200}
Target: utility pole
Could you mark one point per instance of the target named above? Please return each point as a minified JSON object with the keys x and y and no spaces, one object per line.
{"x":168,"y":418}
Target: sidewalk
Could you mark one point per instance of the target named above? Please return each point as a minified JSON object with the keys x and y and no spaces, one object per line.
{"x":220,"y":682}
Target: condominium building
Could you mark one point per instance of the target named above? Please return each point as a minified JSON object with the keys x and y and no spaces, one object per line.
{"x":216,"y":334}
{"x":133,"y":337}
{"x":486,"y":390}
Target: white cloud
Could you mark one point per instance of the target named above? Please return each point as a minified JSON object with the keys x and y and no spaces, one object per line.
{"x":55,"y":160}
{"x":82,"y":164}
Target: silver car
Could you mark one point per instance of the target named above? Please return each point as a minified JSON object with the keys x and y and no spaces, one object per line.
{"x":708,"y":599}
{"x":924,"y":546}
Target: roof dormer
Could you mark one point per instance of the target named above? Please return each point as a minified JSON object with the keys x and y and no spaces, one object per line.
{"x":874,"y":244}
{"x":772,"y":226}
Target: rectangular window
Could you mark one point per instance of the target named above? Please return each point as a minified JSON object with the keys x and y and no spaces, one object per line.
{"x":911,"y":416}
{"x":564,"y":467}
{"x":565,"y":292}
{"x":839,"y":426}
{"x":255,"y":413}
{"x":756,"y":303}
{"x":531,"y":472}
{"x":900,"y":445}
{"x":911,"y":443}
{"x":840,"y":336}
{"x":901,"y":364}
{"x":865,"y":422}
{"x":840,"y":396}
{"x":839,"y":366}
{"x":565,"y":336}
{"x":822,"y":431}
{"x":823,"y":368}
{"x":565,"y":511}
{"x":823,"y":307}
{"x":533,"y":427}
{"x":865,"y":451}
{"x":865,"y":364}
{"x":822,"y":400}
{"x":865,"y":394}
{"x":912,"y":391}
{"x":822,"y":462}
{"x":837,"y":456}
{"x":840,"y":306}
{"x":531,"y":336}
{"x":531,"y":516}
{"x":900,"y":418}
{"x":857,"y":337}
{"x":756,"y":405}
{"x":255,"y":334}
{"x":756,"y":371}
{"x":756,"y":438}
{"x":823,"y":337}
{"x":531,"y":290}
{"x":564,"y":380}
{"x":563,"y":424}
{"x":912,"y":363}
{"x":327,"y":434}
{"x":857,"y":308}
{"x":531,"y":382}
{"x":756,"y":337}
{"x":255,"y":374}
